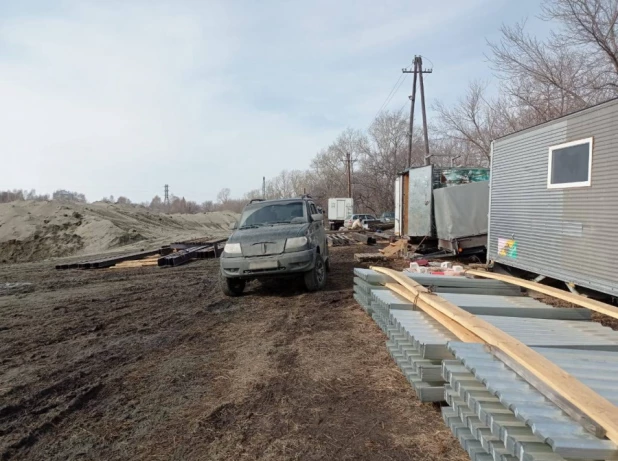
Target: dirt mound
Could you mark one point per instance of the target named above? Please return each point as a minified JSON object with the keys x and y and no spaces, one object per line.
{"x":34,"y":231}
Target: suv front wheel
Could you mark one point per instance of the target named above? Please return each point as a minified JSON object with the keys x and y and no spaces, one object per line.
{"x":315,"y":279}
{"x":231,"y":287}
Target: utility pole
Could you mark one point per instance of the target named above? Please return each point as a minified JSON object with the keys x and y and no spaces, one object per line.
{"x":348,"y":159}
{"x":418,"y":70}
{"x":264,"y":187}
{"x":166,"y":200}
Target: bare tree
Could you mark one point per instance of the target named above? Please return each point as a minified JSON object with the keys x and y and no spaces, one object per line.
{"x":593,"y":26}
{"x":224,"y":195}
{"x":473,"y":123}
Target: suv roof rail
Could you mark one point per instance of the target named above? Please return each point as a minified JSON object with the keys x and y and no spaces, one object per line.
{"x":257,"y":200}
{"x":306,"y":196}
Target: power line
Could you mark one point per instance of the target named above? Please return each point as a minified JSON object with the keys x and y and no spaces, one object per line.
{"x":391,"y":94}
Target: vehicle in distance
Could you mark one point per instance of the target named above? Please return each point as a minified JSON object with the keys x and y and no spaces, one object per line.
{"x":276,"y":238}
{"x":387,"y":216}
{"x":338,"y":210}
{"x":361,"y":216}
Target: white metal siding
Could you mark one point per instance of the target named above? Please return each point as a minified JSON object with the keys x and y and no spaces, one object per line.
{"x":398,"y":211}
{"x":566,"y":234}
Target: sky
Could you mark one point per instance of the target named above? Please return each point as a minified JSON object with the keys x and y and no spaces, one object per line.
{"x":120,"y":97}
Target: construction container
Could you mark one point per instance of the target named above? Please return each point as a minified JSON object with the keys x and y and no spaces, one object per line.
{"x":553,"y":194}
{"x":338,"y":210}
{"x":414,"y":204}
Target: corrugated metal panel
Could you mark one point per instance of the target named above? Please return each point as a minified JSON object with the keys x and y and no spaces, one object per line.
{"x":420,"y":203}
{"x":523,"y":402}
{"x":513,"y":306}
{"x":562,"y":233}
{"x":569,"y":334}
{"x":521,"y":444}
{"x":373,"y":277}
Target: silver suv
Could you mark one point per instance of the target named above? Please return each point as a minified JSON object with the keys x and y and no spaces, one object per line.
{"x":276,"y":238}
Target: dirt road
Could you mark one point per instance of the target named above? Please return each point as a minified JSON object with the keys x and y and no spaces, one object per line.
{"x":156,"y":364}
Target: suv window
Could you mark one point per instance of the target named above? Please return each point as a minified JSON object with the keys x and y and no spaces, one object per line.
{"x":313,"y":209}
{"x":268,"y":213}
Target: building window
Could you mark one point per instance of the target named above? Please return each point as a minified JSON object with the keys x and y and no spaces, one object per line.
{"x":570,"y":164}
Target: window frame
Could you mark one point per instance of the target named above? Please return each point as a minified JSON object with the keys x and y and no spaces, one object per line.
{"x":568,"y":185}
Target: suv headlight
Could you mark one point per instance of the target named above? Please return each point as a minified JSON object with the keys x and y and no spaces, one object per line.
{"x":232,"y":248}
{"x":296,"y":243}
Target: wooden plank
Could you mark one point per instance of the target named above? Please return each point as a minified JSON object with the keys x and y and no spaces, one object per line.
{"x":362,"y":257}
{"x":582,"y":301}
{"x":600,"y":411}
{"x":461,"y":333}
{"x":549,"y":393}
{"x":363,"y":238}
{"x":394,"y":248}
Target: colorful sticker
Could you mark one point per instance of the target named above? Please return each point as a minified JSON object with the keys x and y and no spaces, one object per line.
{"x":507,"y":248}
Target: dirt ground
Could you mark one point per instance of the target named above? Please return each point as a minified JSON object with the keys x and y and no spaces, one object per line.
{"x":156,"y":364}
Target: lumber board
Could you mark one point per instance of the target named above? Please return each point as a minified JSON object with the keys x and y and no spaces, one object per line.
{"x":600,"y":411}
{"x":582,"y":301}
{"x":394,"y":248}
{"x":549,"y":393}
{"x":453,"y":327}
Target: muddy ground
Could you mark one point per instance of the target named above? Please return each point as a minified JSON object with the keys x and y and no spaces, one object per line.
{"x":156,"y":364}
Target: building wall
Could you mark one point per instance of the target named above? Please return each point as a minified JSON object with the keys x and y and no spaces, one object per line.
{"x":567,"y":234}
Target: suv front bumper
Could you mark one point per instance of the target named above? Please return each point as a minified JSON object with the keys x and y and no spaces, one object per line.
{"x":262,"y":266}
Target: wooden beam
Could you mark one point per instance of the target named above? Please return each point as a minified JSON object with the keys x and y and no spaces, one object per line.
{"x":460,"y":332}
{"x":549,"y":393}
{"x":598,"y":409}
{"x":582,"y":301}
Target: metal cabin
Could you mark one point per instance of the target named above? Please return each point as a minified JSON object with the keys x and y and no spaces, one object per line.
{"x":414,"y":203}
{"x":553,"y":208}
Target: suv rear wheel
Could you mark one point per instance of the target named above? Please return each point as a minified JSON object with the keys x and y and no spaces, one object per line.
{"x":231,"y":287}
{"x":315,"y":279}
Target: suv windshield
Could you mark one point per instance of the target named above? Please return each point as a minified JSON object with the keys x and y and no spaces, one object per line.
{"x":263,"y":214}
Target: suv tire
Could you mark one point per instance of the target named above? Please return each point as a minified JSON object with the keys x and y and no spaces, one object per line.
{"x":315,"y":279}
{"x":231,"y":287}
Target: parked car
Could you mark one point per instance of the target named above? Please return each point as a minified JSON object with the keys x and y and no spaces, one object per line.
{"x":276,"y":238}
{"x":363,"y":217}
{"x":387,"y":216}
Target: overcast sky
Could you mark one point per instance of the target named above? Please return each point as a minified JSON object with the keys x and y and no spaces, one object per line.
{"x":123,"y":96}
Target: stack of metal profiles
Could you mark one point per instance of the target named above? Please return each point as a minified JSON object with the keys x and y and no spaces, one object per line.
{"x":491,"y":406}
{"x":382,"y":301}
{"x":513,"y":306}
{"x":366,"y":280}
{"x":493,"y":412}
{"x":418,"y":343}
{"x":459,"y":284}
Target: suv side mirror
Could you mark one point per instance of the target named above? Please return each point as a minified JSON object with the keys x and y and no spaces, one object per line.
{"x":233,"y":225}
{"x":317,"y":217}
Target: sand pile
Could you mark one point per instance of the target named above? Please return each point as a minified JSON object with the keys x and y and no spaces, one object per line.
{"x":34,"y":231}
